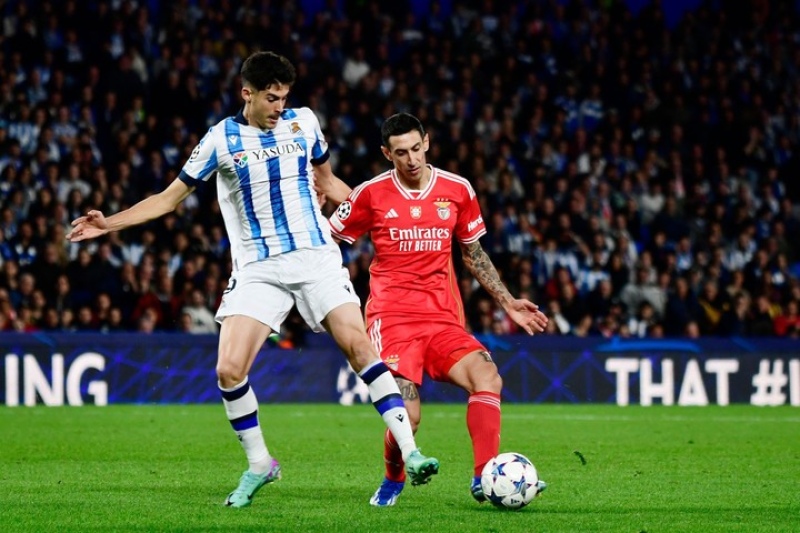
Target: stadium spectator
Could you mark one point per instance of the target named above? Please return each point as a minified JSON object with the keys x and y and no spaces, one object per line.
{"x":24,"y":244}
{"x":714,"y":305}
{"x":682,"y":308}
{"x":642,"y":324}
{"x":201,"y":319}
{"x":592,"y":273}
{"x":573,"y":307}
{"x":147,"y":321}
{"x":641,"y":290}
{"x":788,"y":323}
{"x":47,"y":268}
{"x":763,"y":319}
{"x":734,"y":321}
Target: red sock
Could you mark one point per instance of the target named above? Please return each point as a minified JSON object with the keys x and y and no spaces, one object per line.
{"x":483,"y":423}
{"x":393,"y":458}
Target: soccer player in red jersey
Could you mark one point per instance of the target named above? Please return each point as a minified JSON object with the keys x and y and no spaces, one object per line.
{"x":414,"y":314}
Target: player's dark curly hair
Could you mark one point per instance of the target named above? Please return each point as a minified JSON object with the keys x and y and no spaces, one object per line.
{"x":263,"y":69}
{"x":399,"y":124}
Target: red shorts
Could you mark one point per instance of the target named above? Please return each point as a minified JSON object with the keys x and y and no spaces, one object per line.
{"x":408,"y":349}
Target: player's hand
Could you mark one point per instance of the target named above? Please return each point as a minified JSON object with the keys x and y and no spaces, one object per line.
{"x":527,"y":316}
{"x":321,"y":198}
{"x":93,"y":224}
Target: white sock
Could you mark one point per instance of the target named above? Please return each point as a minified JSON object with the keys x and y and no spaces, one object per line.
{"x":386,"y":398}
{"x":241,"y":407}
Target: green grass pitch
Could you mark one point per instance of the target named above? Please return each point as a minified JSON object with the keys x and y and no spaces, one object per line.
{"x":169,"y":468}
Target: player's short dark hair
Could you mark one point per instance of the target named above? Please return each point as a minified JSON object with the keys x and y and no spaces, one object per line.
{"x":263,"y":69}
{"x":399,"y":124}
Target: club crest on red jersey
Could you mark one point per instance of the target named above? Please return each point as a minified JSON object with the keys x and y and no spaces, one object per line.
{"x":392,"y":361}
{"x":416,"y":211}
{"x":443,"y":209}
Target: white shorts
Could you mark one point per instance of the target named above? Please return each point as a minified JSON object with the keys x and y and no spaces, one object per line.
{"x":313,"y":279}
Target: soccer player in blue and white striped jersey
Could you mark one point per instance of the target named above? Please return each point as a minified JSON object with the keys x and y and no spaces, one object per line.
{"x":283,"y":255}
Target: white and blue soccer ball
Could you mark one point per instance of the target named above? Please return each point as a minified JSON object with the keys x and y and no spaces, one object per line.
{"x":509,"y":481}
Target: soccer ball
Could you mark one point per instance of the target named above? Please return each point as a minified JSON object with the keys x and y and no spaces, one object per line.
{"x":509,"y":481}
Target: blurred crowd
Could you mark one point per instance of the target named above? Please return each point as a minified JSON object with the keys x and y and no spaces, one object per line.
{"x":637,"y":180}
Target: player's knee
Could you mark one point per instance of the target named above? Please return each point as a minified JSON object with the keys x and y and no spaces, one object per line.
{"x":487,"y":382}
{"x":495,"y":384}
{"x":230,"y":374}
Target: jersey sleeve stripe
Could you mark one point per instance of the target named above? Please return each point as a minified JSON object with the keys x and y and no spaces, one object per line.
{"x":321,"y":159}
{"x":458,"y":179}
{"x":210,"y":166}
{"x":345,"y":238}
{"x":475,"y":237}
{"x":187,"y":179}
{"x":316,"y":151}
{"x":380,"y":177}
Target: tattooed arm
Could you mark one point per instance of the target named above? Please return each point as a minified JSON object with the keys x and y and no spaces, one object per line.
{"x":524,"y":312}
{"x":477,"y":261}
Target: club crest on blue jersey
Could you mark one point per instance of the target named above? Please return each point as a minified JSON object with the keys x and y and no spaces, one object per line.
{"x":296,"y":128}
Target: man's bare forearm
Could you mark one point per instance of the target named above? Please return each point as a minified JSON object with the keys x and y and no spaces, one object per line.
{"x":148,"y":209}
{"x":334,"y":189}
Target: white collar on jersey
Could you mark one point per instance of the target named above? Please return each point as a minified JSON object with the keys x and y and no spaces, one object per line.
{"x":414,"y":194}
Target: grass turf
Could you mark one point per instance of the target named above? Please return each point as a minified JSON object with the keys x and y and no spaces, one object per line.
{"x":168,"y":468}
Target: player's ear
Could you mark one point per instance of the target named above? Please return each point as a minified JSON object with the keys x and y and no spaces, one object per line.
{"x":386,"y":153}
{"x":426,"y":142}
{"x":246,"y":94}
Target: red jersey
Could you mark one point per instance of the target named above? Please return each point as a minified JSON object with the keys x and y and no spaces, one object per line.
{"x":411,"y":276}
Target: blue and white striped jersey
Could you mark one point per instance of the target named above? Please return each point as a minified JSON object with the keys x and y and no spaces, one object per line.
{"x":265,"y":183}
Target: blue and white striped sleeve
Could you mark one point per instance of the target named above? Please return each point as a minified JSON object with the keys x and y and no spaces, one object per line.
{"x":319,"y":148}
{"x":203,"y":162}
